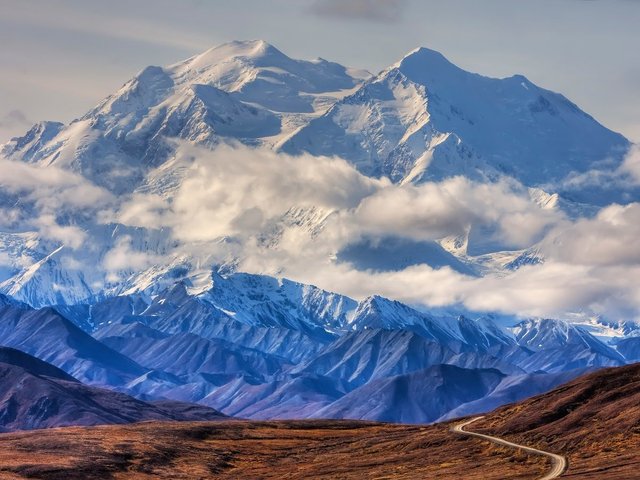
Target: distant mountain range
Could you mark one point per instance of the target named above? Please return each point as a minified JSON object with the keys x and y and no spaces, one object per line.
{"x":255,"y":347}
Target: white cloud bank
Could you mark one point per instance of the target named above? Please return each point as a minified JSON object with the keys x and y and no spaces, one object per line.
{"x":290,"y":216}
{"x":631,"y":164}
{"x":49,"y":200}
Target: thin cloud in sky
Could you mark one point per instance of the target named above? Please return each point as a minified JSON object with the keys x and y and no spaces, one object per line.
{"x":14,"y":122}
{"x":369,"y":10}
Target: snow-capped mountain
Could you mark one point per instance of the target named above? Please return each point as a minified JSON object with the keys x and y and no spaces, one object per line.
{"x":426,"y":119}
{"x":246,"y":91}
{"x":105,"y":279}
{"x":421,"y":119}
{"x":545,"y":333}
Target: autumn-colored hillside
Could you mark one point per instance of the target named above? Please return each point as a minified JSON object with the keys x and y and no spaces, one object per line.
{"x":258,"y":450}
{"x":593,"y":420}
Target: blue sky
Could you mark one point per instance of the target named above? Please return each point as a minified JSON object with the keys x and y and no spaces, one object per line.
{"x":60,"y":57}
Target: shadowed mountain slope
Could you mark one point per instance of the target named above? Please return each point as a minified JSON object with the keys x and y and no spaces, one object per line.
{"x":35,"y":394}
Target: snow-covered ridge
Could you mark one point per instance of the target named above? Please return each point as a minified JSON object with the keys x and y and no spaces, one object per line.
{"x":246,"y":91}
{"x":258,"y":347}
{"x":426,"y":119}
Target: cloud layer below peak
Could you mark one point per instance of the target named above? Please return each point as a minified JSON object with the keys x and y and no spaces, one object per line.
{"x":483,"y":246}
{"x":292,"y":216}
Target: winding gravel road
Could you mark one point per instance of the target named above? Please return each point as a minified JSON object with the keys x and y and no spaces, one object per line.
{"x":559,"y":462}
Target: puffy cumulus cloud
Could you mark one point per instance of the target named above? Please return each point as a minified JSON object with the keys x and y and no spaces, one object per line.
{"x":241,"y":191}
{"x":610,"y":238}
{"x":450,"y":207}
{"x":123,"y":259}
{"x":591,"y":267}
{"x":417,"y":284}
{"x":69,"y":235}
{"x":612,"y":173}
{"x":50,"y":188}
{"x":249,"y":194}
{"x":557,"y":289}
{"x":36,"y":198}
{"x":142,"y":210}
{"x":631,"y":165}
{"x":551,"y":289}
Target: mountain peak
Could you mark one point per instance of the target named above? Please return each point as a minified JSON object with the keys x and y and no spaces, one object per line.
{"x":33,"y":365}
{"x":425,"y":53}
{"x":247,"y":50}
{"x":421,"y":59}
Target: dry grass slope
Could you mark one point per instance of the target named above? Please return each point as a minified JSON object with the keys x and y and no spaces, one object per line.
{"x":594,"y":421}
{"x":258,"y":450}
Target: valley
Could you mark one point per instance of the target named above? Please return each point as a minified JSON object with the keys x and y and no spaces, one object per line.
{"x":327,"y":449}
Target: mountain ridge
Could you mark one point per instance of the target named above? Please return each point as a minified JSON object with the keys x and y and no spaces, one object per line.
{"x":38,"y":395}
{"x":257,"y":347}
